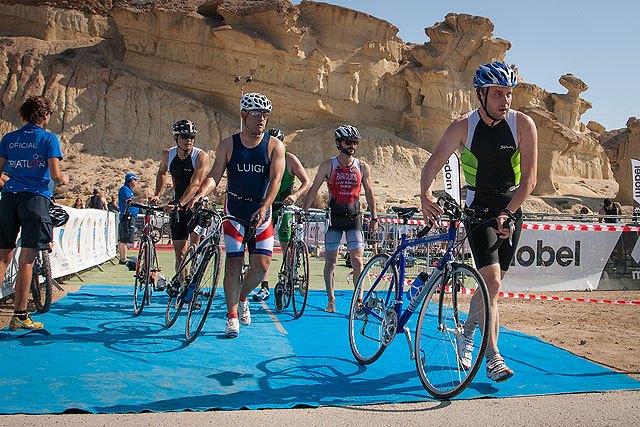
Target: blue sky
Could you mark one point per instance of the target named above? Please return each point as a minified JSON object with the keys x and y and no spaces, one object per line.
{"x":595,"y":41}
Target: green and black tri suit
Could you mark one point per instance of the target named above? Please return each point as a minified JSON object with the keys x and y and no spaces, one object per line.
{"x":491,"y":164}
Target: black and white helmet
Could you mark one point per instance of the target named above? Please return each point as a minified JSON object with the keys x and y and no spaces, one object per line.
{"x":277,"y":133}
{"x":184,"y":127}
{"x":347,"y":132}
{"x":255,"y":101}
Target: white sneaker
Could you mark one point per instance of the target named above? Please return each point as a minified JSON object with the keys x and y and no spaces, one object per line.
{"x":497,"y":370}
{"x":233,"y":328}
{"x":243,"y":313}
{"x":465,"y":351}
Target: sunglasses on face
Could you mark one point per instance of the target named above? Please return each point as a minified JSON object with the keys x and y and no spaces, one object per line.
{"x":188,"y":136}
{"x":258,"y":114}
{"x":350,"y":142}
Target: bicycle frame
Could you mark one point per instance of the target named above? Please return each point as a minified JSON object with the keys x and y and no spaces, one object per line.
{"x":398,"y":258}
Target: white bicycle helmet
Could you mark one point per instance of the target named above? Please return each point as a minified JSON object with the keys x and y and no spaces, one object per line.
{"x":255,"y":101}
{"x":347,"y":132}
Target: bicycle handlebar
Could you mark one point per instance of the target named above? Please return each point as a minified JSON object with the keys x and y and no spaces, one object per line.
{"x":149,"y":208}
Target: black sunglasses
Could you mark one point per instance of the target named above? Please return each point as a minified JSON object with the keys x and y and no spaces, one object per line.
{"x":188,"y":136}
{"x":350,"y":142}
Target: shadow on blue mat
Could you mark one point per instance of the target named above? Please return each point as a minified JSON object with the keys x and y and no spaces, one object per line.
{"x":95,"y":356}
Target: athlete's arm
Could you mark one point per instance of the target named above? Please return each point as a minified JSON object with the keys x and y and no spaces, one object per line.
{"x":202,"y":165}
{"x":296,"y":169}
{"x":368,"y":193}
{"x":276,"y":170}
{"x":210,"y":183}
{"x":323,"y":174}
{"x":161,"y":176}
{"x":55,"y":172}
{"x":452,"y":139}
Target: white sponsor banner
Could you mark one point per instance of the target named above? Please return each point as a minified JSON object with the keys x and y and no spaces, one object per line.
{"x":635,"y":174}
{"x":451,"y":174}
{"x":86,"y":240}
{"x":551,"y":260}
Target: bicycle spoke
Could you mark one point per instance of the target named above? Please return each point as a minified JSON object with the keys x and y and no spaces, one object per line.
{"x":370,"y":305}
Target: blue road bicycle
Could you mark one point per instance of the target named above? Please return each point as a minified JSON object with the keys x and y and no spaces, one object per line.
{"x":454,"y":294}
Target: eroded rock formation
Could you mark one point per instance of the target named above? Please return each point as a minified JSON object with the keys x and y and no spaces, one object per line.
{"x":121,"y":74}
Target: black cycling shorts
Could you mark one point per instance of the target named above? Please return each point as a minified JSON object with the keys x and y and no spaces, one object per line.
{"x":127,"y":229}
{"x":29,"y":211}
{"x":180,"y":224}
{"x":482,"y":237}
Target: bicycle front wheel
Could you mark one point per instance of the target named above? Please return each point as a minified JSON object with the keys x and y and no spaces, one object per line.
{"x":141,"y":278}
{"x":457,"y":305}
{"x":42,"y":282}
{"x":205,"y":281}
{"x":176,"y":288}
{"x":300,"y":279}
{"x":371,"y":323}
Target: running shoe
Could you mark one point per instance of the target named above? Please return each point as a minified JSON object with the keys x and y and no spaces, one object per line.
{"x":233,"y":328}
{"x":27,"y":324}
{"x":465,"y":350}
{"x":279,"y":295}
{"x":497,"y":370}
{"x":243,"y":313}
{"x":261,"y":295}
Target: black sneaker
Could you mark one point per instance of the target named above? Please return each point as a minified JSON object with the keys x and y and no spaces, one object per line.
{"x":279,"y":295}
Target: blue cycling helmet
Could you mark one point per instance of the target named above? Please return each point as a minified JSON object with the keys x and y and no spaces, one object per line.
{"x":495,"y":74}
{"x":277,"y":133}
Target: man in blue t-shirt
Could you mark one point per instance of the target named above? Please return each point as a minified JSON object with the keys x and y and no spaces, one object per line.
{"x":33,"y":156}
{"x":128,"y":215}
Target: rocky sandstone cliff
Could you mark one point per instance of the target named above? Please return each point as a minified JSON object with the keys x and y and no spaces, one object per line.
{"x":121,"y":72}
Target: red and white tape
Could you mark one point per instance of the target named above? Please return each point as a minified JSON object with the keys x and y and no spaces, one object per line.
{"x":540,"y":226}
{"x":523,"y":296}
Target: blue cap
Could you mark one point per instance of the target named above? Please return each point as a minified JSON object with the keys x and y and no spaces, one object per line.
{"x":128,"y":177}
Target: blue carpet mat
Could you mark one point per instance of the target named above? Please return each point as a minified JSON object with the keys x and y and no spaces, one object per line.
{"x":95,"y":356}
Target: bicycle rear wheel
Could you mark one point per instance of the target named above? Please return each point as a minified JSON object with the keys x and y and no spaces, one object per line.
{"x":141,"y":278}
{"x":206,"y":281}
{"x":300,"y":279}
{"x":371,"y":326}
{"x":42,"y":282}
{"x":441,"y":323}
{"x":182,"y":277}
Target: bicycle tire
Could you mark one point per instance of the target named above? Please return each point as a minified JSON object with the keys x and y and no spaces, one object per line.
{"x":184,"y":274}
{"x":437,"y":362}
{"x":286,"y":297}
{"x":42,"y":282}
{"x":368,"y":332}
{"x":300,"y":279}
{"x":141,"y":279}
{"x":206,"y":277}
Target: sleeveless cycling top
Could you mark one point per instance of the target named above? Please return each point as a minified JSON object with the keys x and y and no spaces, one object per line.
{"x":286,"y":185}
{"x":344,"y":187}
{"x":247,"y":177}
{"x":181,"y":170}
{"x":491,"y":156}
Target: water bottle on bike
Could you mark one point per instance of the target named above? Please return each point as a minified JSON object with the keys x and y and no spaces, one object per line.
{"x":416,"y":286}
{"x":188,"y":295}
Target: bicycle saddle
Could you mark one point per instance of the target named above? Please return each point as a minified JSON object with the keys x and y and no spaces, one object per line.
{"x":404,"y":213}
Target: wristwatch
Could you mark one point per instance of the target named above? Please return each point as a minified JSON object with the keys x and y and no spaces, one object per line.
{"x":510,"y":214}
